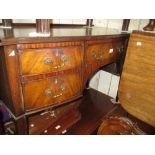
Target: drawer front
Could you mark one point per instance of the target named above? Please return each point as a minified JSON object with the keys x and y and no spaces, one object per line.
{"x":35,"y":61}
{"x":62,"y":125}
{"x":106,"y":52}
{"x":47,"y":118}
{"x":42,"y":93}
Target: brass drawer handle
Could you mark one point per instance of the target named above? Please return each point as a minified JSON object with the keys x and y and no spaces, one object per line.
{"x":57,"y":127}
{"x":48,"y":92}
{"x":56,"y":96}
{"x":52,"y":114}
{"x":120,"y":49}
{"x":62,"y":88}
{"x":48,"y":61}
{"x":59,"y":66}
{"x":63,"y":132}
{"x":64,"y":58}
{"x":99,"y":57}
{"x":94,"y":54}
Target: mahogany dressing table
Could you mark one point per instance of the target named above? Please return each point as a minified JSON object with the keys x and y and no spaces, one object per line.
{"x":42,"y":79}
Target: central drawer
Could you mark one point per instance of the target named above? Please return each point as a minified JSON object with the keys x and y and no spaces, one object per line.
{"x":36,"y":61}
{"x":49,"y":117}
{"x":42,"y":93}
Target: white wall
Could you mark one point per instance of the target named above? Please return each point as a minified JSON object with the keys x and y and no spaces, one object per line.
{"x":135,"y":24}
{"x":69,"y":21}
{"x":24,"y":20}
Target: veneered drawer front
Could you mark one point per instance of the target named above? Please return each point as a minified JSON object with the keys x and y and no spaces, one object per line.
{"x":42,"y":93}
{"x":38,"y":123}
{"x":106,"y":52}
{"x":35,"y":61}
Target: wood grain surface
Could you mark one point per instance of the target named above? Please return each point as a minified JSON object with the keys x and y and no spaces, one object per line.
{"x":137,"y":86}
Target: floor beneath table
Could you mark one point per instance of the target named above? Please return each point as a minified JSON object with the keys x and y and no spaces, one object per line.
{"x":94,"y":107}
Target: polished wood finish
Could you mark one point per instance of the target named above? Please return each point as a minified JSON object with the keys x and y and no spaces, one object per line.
{"x":61,"y":126}
{"x":96,"y":107}
{"x":11,"y":73}
{"x":50,"y":60}
{"x":49,"y":117}
{"x":137,"y":86}
{"x":51,"y":91}
{"x":47,"y":72}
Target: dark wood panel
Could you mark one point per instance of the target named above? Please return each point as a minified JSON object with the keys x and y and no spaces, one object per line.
{"x":12,"y":72}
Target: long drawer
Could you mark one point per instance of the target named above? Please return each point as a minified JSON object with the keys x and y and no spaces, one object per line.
{"x":39,"y":123}
{"x":46,"y":92}
{"x":36,"y":61}
{"x":62,"y":125}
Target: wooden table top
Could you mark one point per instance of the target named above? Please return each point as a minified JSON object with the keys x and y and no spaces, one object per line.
{"x":22,"y":35}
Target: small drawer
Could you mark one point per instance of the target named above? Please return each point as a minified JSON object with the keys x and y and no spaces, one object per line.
{"x":106,"y":52}
{"x":36,"y":61}
{"x":38,"y":123}
{"x":43,"y":93}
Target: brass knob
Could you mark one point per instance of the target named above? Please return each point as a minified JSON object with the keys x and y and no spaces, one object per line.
{"x":56,"y":96}
{"x":94,"y":54}
{"x":62,"y":88}
{"x":48,"y":92}
{"x":53,"y":114}
{"x":119,"y":49}
{"x":64,"y":58}
{"x":48,"y":61}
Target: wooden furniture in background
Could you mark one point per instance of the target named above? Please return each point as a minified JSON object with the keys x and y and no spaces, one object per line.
{"x":137,"y":84}
{"x":125,"y":25}
{"x":89,"y":22}
{"x":150,"y":26}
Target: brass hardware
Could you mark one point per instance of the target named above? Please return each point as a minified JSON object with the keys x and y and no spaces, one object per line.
{"x":53,"y":114}
{"x":64,"y":58}
{"x":56,"y":96}
{"x":94,"y":54}
{"x":59,"y":66}
{"x":63,"y":132}
{"x":62,"y":88}
{"x":48,"y":61}
{"x":120,"y":49}
{"x":45,"y":112}
{"x":55,"y":80}
{"x":48,"y":92}
{"x":57,"y":127}
{"x":99,"y":56}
